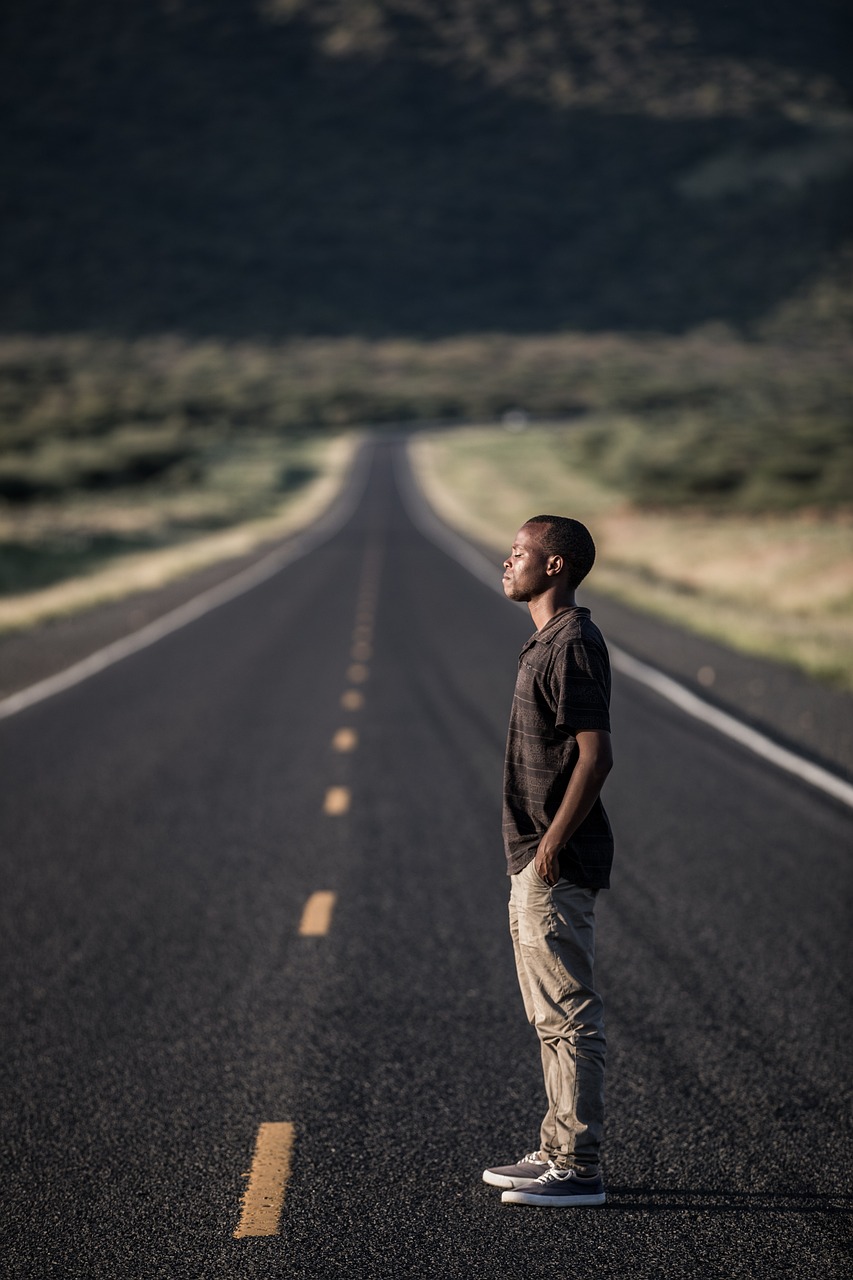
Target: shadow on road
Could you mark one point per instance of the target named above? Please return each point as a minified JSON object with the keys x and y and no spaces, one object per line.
{"x":670,"y":1199}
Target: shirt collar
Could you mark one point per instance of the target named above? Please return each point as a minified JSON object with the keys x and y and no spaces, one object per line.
{"x":555,"y":625}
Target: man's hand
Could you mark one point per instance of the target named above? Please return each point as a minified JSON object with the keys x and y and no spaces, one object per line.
{"x":547,"y":863}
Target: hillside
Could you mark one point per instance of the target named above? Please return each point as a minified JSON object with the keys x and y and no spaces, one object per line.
{"x":233,"y":227}
{"x":425,"y":168}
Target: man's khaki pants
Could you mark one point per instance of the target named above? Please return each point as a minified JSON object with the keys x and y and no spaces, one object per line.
{"x":553,"y":934}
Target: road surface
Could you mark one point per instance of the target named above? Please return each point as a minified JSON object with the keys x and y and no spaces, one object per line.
{"x":169,"y":1010}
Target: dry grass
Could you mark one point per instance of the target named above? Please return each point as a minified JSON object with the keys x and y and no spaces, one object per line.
{"x":780,"y":586}
{"x":147,"y":570}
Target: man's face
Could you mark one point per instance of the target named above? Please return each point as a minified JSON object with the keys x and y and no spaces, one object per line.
{"x":525,"y":575}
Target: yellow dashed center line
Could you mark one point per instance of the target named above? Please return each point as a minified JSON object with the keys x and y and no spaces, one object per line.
{"x":337,"y":800}
{"x":345,"y":740}
{"x":268,"y":1177}
{"x":317,"y":915}
{"x":263,"y":1200}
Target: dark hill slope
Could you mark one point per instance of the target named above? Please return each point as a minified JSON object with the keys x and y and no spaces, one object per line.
{"x":408,"y":166}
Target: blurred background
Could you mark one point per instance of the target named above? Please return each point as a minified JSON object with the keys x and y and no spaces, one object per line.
{"x":610,"y":244}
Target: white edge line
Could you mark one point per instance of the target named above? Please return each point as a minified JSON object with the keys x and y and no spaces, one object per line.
{"x":425,"y":519}
{"x":334,"y":518}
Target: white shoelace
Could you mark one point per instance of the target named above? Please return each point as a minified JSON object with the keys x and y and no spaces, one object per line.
{"x":553,"y":1174}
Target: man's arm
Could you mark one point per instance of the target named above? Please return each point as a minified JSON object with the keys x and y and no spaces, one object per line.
{"x":595,"y":760}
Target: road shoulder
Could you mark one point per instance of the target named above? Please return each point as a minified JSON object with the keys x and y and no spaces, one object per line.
{"x":44,"y":649}
{"x":811,"y":718}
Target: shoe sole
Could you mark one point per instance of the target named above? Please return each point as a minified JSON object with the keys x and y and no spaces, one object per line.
{"x":552,"y":1202}
{"x":503,"y":1180}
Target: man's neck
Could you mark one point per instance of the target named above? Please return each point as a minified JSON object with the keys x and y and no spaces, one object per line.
{"x":547,"y":606}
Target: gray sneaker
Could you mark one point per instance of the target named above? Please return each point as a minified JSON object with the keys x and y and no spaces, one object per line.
{"x":558,"y":1189}
{"x":528,"y":1169}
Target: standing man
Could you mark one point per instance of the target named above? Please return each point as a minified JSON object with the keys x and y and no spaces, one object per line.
{"x":559,"y":848}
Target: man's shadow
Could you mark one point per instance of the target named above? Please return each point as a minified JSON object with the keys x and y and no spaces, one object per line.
{"x":672,"y":1199}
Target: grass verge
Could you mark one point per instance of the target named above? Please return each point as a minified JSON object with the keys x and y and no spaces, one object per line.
{"x":777,"y":585}
{"x":88,"y":544}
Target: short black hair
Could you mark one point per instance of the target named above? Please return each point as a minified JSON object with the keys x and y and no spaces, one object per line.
{"x":570,"y":539}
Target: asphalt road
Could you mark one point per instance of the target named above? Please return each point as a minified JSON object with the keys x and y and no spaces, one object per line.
{"x":163,"y":826}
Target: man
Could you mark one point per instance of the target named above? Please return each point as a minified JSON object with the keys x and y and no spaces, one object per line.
{"x":559,"y":848}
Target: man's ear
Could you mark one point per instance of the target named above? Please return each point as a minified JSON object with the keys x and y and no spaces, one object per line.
{"x":554,"y":565}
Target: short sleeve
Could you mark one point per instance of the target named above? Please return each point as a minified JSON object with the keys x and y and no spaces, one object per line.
{"x":580,"y":686}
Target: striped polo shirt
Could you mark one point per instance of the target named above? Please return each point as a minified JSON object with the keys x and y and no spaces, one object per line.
{"x":563,"y":687}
